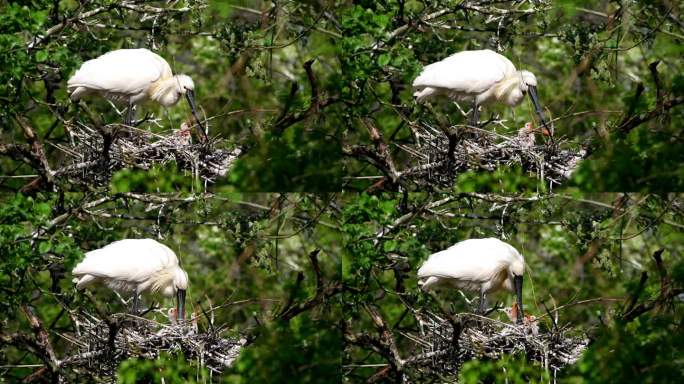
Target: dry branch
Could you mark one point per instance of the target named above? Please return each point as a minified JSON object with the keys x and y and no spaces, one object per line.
{"x":40,"y":160}
{"x":668,"y":291}
{"x":438,"y":156}
{"x":47,"y":353}
{"x":147,"y":339}
{"x":315,"y":103}
{"x":634,"y":121}
{"x":442,"y":343}
{"x":441,"y":157}
{"x":324,"y":291}
{"x":96,"y":154}
{"x":486,"y":338}
{"x":382,"y":149}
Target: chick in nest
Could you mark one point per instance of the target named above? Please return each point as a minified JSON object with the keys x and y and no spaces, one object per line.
{"x":529,"y":321}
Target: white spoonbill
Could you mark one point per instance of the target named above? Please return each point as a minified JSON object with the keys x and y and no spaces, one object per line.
{"x":484,"y":76}
{"x":484,"y":265}
{"x":133,"y":76}
{"x":135,"y":266}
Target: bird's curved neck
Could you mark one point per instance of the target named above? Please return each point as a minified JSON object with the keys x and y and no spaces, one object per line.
{"x":504,"y":275}
{"x":506,"y":85}
{"x":162,"y":279}
{"x":164,"y":91}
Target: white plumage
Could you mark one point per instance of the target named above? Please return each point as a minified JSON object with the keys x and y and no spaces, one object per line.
{"x":464,"y":75}
{"x":483,"y":77}
{"x":480,"y":265}
{"x":132,"y":76}
{"x":135,"y":266}
{"x":124,"y":74}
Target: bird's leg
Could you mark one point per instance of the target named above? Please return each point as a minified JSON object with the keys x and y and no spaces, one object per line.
{"x":483,"y":304}
{"x":474,"y":114}
{"x":129,"y":114}
{"x":135,"y":304}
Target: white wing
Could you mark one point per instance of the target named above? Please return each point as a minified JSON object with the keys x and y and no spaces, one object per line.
{"x":132,"y":260}
{"x":124,"y":71}
{"x":470,"y":72}
{"x":469,"y":260}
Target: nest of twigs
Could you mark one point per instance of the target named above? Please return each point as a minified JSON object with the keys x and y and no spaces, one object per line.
{"x":479,"y":337}
{"x":94,"y":154}
{"x":443,"y":154}
{"x":103,"y":344}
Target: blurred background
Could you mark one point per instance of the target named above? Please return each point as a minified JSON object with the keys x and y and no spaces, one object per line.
{"x":585,"y":254}
{"x":317,"y":95}
{"x":609,"y":77}
{"x":248,"y":262}
{"x":246,"y":59}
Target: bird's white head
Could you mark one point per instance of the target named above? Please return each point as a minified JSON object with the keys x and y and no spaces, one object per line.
{"x":183,"y":84}
{"x":517,"y":268}
{"x":169,"y":91}
{"x":528,"y":84}
{"x":527,"y":79}
{"x":180,"y":279}
{"x":513,"y":89}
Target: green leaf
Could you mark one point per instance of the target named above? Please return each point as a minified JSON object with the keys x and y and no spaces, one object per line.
{"x":41,"y":56}
{"x":384,"y":59}
{"x":44,"y":247}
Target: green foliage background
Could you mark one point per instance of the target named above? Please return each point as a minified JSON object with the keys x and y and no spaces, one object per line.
{"x":242,"y":252}
{"x":584,"y":253}
{"x":245,"y":248}
{"x":243,"y":72}
{"x":590,"y":59}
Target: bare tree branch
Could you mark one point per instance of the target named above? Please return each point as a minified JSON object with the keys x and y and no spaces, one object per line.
{"x":323,"y":292}
{"x":315,"y":103}
{"x":36,"y":146}
{"x":382,"y":150}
